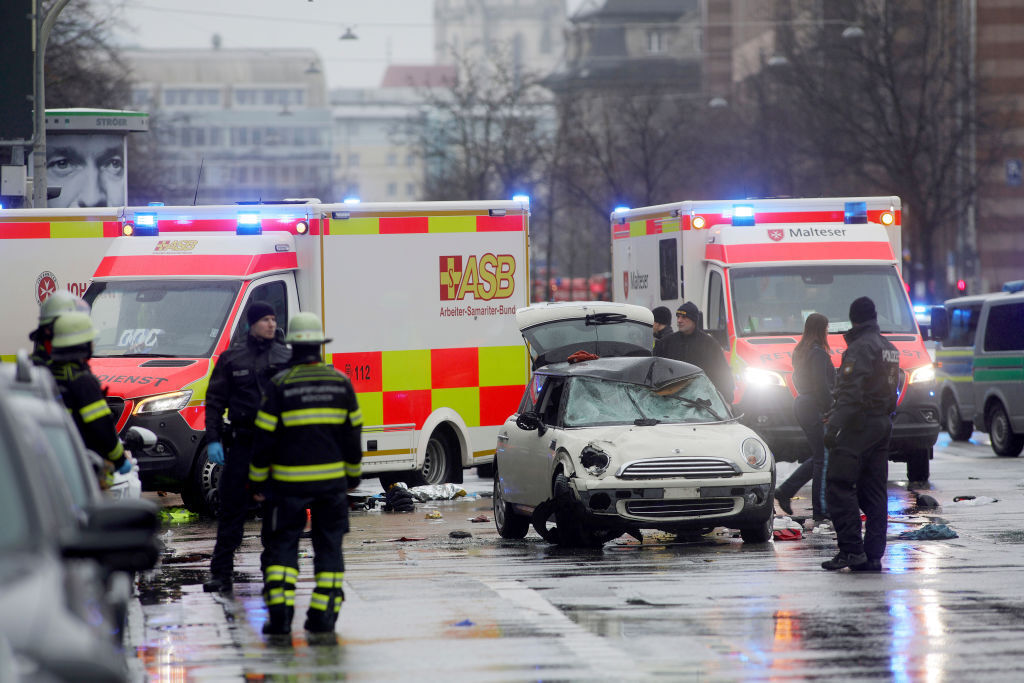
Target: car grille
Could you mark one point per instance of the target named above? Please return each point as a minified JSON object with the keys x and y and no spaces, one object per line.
{"x":660,"y":509}
{"x":116,"y":406}
{"x":687,"y":468}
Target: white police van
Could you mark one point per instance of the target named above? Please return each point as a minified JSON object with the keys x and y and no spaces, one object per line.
{"x":980,"y":366}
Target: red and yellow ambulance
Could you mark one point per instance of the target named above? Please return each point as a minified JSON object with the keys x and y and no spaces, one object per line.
{"x":756,"y":269}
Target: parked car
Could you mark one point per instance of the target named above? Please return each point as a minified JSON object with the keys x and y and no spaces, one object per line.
{"x":980,"y":366}
{"x":614,"y":440}
{"x":66,"y":552}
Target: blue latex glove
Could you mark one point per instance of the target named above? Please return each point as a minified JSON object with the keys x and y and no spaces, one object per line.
{"x":215,"y":452}
{"x":125,"y":467}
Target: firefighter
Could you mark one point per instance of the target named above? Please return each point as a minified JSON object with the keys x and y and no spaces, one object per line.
{"x":72,"y":348}
{"x":308,"y":454}
{"x":237,"y":383}
{"x":61,"y":301}
{"x":859,"y":428}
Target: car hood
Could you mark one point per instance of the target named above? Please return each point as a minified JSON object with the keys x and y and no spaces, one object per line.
{"x":625,"y":443}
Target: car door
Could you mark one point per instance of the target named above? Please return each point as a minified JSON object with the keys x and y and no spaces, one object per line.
{"x":524,"y":461}
{"x":513,"y":446}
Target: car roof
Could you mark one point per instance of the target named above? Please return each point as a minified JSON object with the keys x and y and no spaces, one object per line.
{"x":652,"y":371}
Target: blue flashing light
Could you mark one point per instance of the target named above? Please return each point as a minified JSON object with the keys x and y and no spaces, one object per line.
{"x":144,"y":225}
{"x":525,"y":198}
{"x":156,"y":203}
{"x":620,"y":209}
{"x":918,"y":308}
{"x":743,"y":214}
{"x":146,"y":219}
{"x":351,"y":200}
{"x":249,"y":224}
{"x":855,"y":213}
{"x":1013,"y":286}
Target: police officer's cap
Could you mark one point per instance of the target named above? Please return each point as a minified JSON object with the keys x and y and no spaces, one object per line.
{"x":61,"y":301}
{"x":306,"y":328}
{"x":72,"y":329}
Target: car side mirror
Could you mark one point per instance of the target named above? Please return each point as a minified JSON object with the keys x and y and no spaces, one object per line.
{"x":139,"y":439}
{"x":119,"y":535}
{"x":529,"y":421}
{"x":940,"y":323}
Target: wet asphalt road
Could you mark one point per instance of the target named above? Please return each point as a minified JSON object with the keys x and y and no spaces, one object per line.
{"x":486,"y":609}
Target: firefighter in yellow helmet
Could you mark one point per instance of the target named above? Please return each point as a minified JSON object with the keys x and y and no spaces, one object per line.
{"x":308,"y":454}
{"x":61,"y":301}
{"x":72,"y":348}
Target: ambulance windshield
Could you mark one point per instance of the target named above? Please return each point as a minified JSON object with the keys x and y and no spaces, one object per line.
{"x":775,"y":301}
{"x":169,"y":318}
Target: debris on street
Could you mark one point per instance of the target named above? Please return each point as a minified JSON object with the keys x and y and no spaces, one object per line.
{"x":974,"y":500}
{"x":459,"y":533}
{"x":930,"y":532}
{"x":437,"y":492}
{"x":433,"y":514}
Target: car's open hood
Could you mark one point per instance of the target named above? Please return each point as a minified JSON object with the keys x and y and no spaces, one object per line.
{"x":554,"y":331}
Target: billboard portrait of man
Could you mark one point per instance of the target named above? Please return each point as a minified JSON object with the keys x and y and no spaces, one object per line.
{"x":88,"y":167}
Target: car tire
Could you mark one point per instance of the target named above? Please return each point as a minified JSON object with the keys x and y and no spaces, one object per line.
{"x":572,"y":531}
{"x":1005,"y":443}
{"x":919,"y":464}
{"x":437,"y":461}
{"x":485,"y":471}
{"x":200,"y":492}
{"x":957,"y":428}
{"x":762,"y":533}
{"x":508,"y":523}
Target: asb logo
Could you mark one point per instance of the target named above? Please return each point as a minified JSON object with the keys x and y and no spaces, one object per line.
{"x":176,"y":245}
{"x":486,"y":277}
{"x":776,"y":235}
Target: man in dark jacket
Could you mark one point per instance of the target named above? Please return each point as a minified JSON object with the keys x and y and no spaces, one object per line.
{"x":858,"y":433}
{"x":308,"y":454}
{"x":692,"y":345}
{"x":237,"y":383}
{"x":72,"y":348}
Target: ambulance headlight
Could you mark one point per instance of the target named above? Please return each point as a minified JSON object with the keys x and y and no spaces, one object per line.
{"x":925,"y":373}
{"x":163,"y":403}
{"x":249,"y":224}
{"x":759,"y":377}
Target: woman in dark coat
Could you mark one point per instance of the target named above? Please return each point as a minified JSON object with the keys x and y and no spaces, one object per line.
{"x":814,"y":375}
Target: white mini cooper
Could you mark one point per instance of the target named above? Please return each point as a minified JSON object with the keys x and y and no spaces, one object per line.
{"x":609,"y":439}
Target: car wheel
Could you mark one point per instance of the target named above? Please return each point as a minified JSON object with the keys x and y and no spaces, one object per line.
{"x":572,"y":530}
{"x":436,"y":461}
{"x":762,"y":533}
{"x":1004,"y":442}
{"x":919,"y":464}
{"x":508,"y":523}
{"x":958,"y":429}
{"x":485,"y":471}
{"x":200,"y":493}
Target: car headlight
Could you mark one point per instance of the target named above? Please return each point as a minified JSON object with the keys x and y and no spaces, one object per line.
{"x":925,"y":373}
{"x":162,"y":403}
{"x":763,"y":378}
{"x":594,"y":460}
{"x":754,"y":452}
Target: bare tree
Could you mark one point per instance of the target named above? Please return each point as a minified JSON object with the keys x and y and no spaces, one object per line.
{"x":881,"y":99}
{"x":83,"y":67}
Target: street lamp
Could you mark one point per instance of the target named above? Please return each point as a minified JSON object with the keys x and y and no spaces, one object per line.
{"x":43,"y":29}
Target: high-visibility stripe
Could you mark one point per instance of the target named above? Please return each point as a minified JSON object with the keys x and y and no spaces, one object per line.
{"x":314,"y":416}
{"x":265,"y":421}
{"x":94,"y":411}
{"x":280,"y":572}
{"x":258,"y":474}
{"x":399,"y":225}
{"x":329,"y":579}
{"x":799,"y":251}
{"x":116,"y":452}
{"x":355,"y":418}
{"x":76,"y":229}
{"x":301,"y":473}
{"x":353,"y":469}
{"x":231,"y":265}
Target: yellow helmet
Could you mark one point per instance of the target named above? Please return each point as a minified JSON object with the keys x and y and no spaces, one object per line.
{"x":61,"y":301}
{"x":72,"y":329}
{"x":305,"y":328}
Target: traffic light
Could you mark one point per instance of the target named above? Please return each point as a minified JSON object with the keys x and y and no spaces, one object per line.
{"x":17,"y":59}
{"x":961,"y":287}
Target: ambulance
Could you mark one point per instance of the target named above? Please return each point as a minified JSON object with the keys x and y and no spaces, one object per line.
{"x":418,"y":298}
{"x":756,"y":269}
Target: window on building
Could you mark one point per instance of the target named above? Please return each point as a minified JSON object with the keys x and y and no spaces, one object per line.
{"x":410,"y":159}
{"x":257,"y":174}
{"x":392,"y":189}
{"x":392,"y":159}
{"x":410,"y":190}
{"x":243,"y":175}
{"x":655,"y":42}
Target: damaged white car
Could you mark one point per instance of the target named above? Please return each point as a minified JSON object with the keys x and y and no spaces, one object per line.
{"x":610,"y":440}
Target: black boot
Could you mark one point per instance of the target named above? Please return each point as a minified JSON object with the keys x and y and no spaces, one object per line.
{"x":872,"y":565}
{"x":279,"y":620}
{"x":218,"y":584}
{"x":842,"y":560}
{"x":784,"y":502}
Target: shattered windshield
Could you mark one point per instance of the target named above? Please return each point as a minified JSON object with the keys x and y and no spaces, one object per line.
{"x":593,"y":402}
{"x":777,"y":300}
{"x":166,"y":318}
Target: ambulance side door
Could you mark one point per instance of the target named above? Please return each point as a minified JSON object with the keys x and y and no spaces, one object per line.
{"x":716,"y":311}
{"x":276,"y":290}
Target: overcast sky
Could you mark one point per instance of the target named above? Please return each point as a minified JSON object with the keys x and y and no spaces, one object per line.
{"x":389,"y":31}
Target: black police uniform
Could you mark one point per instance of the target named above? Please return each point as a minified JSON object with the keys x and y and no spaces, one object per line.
{"x":237,"y":383}
{"x":308,"y":453}
{"x":87,"y":404}
{"x":699,"y":348}
{"x":860,"y":427}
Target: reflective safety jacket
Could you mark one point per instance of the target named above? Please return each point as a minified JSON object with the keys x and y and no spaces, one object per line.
{"x":868,"y":378}
{"x":87,"y":404}
{"x":308,"y":432}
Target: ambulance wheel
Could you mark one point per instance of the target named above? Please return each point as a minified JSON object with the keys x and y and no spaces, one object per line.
{"x":957,"y":428}
{"x":919,"y":464}
{"x":437,"y":461}
{"x":1004,"y":442}
{"x":200,"y":492}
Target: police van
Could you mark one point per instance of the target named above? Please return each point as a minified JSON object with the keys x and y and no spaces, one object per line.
{"x":979,"y":361}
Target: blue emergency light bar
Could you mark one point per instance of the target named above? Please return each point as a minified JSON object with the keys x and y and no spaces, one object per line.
{"x":145,"y":225}
{"x":350,"y":200}
{"x":525,"y":198}
{"x":249,"y":224}
{"x":855,"y":213}
{"x":743,"y":214}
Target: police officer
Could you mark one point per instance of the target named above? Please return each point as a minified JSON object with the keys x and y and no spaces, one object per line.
{"x":61,"y":301}
{"x":692,"y":345}
{"x":238,"y":380}
{"x":859,"y":428}
{"x":72,"y":348}
{"x":308,"y":454}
